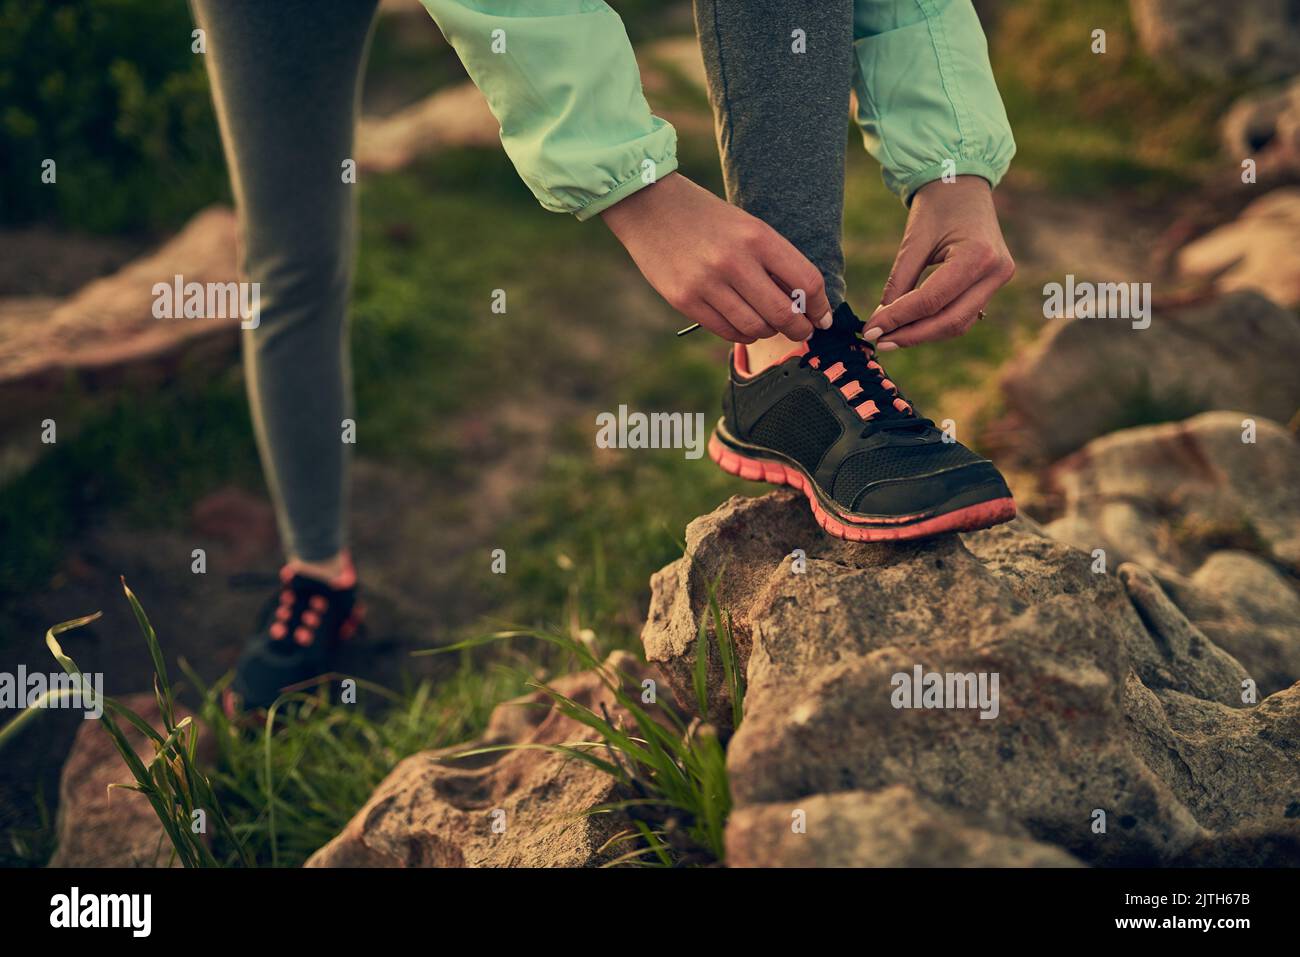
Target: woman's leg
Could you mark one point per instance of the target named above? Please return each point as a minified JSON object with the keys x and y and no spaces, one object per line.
{"x":782,"y":115}
{"x":285,"y":79}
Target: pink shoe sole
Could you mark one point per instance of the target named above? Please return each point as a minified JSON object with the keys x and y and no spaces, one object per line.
{"x":894,"y":529}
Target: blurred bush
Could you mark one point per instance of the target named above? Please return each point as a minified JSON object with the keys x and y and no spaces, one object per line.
{"x":110,"y":90}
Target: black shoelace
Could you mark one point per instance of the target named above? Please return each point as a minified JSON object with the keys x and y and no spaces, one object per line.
{"x":843,"y":344}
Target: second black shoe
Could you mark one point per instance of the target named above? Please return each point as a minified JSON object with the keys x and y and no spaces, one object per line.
{"x":297,"y":638}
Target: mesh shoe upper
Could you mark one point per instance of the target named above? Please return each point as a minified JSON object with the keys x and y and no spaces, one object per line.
{"x":299,"y":633}
{"x":833,"y":409}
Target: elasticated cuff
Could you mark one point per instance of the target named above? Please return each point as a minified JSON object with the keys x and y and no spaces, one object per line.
{"x":905,"y":189}
{"x":625,"y":189}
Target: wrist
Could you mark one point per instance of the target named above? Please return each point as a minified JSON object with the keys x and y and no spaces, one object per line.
{"x":642,"y":203}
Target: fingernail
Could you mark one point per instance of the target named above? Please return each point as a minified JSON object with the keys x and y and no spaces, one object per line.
{"x":871,"y":335}
{"x":886,"y":346}
{"x":824,"y":322}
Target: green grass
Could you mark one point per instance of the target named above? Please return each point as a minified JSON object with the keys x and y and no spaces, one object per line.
{"x":1087,"y":123}
{"x":271,"y":795}
{"x":292,"y":785}
{"x":201,"y":423}
{"x":673,"y":772}
{"x":181,"y":795}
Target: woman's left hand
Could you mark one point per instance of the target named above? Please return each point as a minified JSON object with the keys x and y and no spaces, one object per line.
{"x":952,"y":225}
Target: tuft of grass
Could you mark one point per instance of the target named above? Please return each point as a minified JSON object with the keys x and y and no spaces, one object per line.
{"x":178,"y":791}
{"x":673,"y":769}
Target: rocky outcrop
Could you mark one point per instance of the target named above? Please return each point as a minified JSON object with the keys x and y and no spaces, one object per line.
{"x":1232,"y":767}
{"x":1215,"y":520}
{"x":454,"y":117}
{"x":1166,"y":495}
{"x":1245,"y":605}
{"x":893,"y":827}
{"x":111,"y":321}
{"x":1101,"y":684}
{"x":1265,"y":127}
{"x":103,"y":826}
{"x":1259,"y":39}
{"x":526,"y":806}
{"x":106,"y":339}
{"x":1259,"y":250}
{"x":1084,"y":378}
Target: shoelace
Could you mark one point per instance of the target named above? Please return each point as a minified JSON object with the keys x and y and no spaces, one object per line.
{"x":301,"y":620}
{"x":849,"y":362}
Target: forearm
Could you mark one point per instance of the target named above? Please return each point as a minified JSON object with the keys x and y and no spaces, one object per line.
{"x":928,"y":105}
{"x":561,"y":78}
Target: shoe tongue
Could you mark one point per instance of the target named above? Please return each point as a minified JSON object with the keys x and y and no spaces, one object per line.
{"x":843,"y":333}
{"x":844,"y":324}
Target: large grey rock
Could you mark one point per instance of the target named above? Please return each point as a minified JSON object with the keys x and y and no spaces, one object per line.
{"x":1056,"y":757}
{"x":679,"y":593}
{"x":1259,"y":250}
{"x":1166,"y":496}
{"x":1084,"y":378}
{"x":893,"y":827}
{"x":1232,"y":767}
{"x":1259,"y":39}
{"x":1248,"y":608}
{"x":1172,"y":652}
{"x":1213,"y":518}
{"x":523,"y":807}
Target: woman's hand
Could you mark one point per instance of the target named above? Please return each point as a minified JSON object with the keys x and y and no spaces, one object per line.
{"x":954,"y":226}
{"x":718,"y":265}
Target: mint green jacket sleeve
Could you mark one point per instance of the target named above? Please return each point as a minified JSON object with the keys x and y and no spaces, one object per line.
{"x":927,"y":101}
{"x":561,"y":79}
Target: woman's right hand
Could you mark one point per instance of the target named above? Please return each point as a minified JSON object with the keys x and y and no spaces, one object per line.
{"x":718,"y":265}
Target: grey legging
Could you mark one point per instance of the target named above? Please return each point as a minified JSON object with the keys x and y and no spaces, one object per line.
{"x":286,"y":79}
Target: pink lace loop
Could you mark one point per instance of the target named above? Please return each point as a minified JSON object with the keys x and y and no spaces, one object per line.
{"x":867,"y":410}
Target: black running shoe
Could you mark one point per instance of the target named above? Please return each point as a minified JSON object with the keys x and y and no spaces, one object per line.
{"x":299,"y":634}
{"x":828,"y":421}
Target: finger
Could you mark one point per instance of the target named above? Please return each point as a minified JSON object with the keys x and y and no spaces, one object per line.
{"x":912,"y":259}
{"x":767,"y":299}
{"x":738,"y":312}
{"x":717,"y":323}
{"x":794,"y":273}
{"x":953,"y":320}
{"x":959,"y":272}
